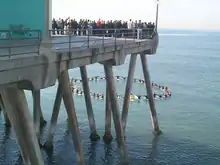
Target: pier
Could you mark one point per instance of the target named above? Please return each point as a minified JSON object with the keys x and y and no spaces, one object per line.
{"x":41,"y":59}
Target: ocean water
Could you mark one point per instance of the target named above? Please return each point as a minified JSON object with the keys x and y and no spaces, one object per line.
{"x":189,"y":63}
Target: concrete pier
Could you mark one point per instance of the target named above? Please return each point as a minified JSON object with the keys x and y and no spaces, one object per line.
{"x":1,"y":102}
{"x":37,"y":109}
{"x":128,"y":89}
{"x":115,"y":111}
{"x":71,"y":113}
{"x":107,"y":136}
{"x":54,"y":117}
{"x":17,"y":109}
{"x":42,"y":69}
{"x":36,"y":60}
{"x":93,"y":136}
{"x":153,"y":112}
{"x":7,"y":121}
{"x":42,"y":121}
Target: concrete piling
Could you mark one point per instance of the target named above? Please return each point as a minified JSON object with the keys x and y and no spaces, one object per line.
{"x":54,"y":117}
{"x":93,"y":136}
{"x":7,"y":121}
{"x":72,"y":118}
{"x":153,"y":112}
{"x":36,"y":111}
{"x":42,"y":120}
{"x":115,"y":111}
{"x":17,"y":109}
{"x":128,"y":89}
{"x":107,"y":138}
{"x":36,"y":94}
{"x":1,"y":103}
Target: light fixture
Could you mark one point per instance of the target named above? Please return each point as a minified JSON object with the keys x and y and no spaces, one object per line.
{"x":157,"y":13}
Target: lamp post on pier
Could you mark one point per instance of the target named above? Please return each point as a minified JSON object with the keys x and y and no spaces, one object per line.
{"x":157,"y":13}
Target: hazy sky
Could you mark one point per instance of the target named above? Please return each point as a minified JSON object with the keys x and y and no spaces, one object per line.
{"x":193,"y":14}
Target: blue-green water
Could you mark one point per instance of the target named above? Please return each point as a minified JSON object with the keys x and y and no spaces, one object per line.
{"x":189,"y":63}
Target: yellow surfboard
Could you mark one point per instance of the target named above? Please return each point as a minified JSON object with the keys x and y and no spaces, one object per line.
{"x":131,"y":98}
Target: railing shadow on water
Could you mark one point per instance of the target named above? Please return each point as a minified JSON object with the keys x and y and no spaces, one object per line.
{"x":161,"y":150}
{"x":92,"y":153}
{"x":4,"y":147}
{"x":4,"y":139}
{"x":153,"y":151}
{"x":94,"y":157}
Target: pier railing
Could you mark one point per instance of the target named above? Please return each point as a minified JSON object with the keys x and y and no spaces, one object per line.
{"x":87,"y":38}
{"x":11,"y":45}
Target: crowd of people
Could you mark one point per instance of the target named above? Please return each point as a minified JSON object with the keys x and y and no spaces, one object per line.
{"x":85,"y":26}
{"x":77,"y":90}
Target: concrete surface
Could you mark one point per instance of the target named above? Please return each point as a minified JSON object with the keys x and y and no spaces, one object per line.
{"x":31,"y":47}
{"x":41,"y":71}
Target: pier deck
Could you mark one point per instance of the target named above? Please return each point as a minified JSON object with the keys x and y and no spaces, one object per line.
{"x":23,"y":48}
{"x":79,"y":52}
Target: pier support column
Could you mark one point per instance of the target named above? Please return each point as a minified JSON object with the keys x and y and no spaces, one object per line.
{"x":36,"y":111}
{"x":43,"y":122}
{"x":17,"y":109}
{"x":153,"y":112}
{"x":34,"y":95}
{"x":128,"y":89}
{"x":7,"y":121}
{"x":72,"y":118}
{"x":93,"y":136}
{"x":54,"y":117}
{"x":107,"y":136}
{"x":0,"y":105}
{"x":115,"y":111}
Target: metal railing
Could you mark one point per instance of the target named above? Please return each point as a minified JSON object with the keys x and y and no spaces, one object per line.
{"x":87,"y":38}
{"x":70,"y":39}
{"x":14,"y":44}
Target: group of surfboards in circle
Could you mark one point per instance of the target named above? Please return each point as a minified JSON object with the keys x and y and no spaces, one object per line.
{"x":77,"y":90}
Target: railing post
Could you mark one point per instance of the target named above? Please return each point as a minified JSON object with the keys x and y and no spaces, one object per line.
{"x":9,"y":40}
{"x":50,"y":33}
{"x":103,"y":39}
{"x":134,"y":33}
{"x":69,"y":35}
{"x":88,"y":40}
{"x":126,"y":35}
{"x":39,"y":40}
{"x":115,"y":38}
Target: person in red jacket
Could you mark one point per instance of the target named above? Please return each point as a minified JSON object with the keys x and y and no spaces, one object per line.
{"x":98,"y":23}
